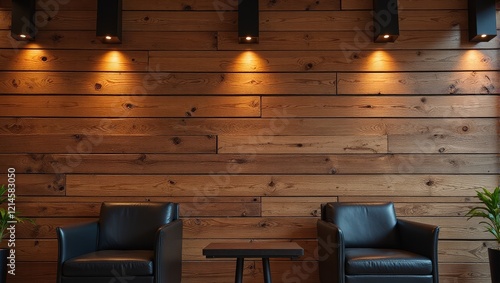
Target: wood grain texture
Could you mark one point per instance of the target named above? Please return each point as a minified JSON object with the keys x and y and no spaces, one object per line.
{"x":369,"y":106}
{"x":250,"y":139}
{"x":89,"y":144}
{"x":130,"y":106}
{"x":256,"y":127}
{"x":419,"y":83}
{"x":252,"y":164}
{"x":354,"y":40}
{"x":301,"y":144}
{"x":160,"y":83}
{"x":326,"y":61}
{"x":173,"y":186}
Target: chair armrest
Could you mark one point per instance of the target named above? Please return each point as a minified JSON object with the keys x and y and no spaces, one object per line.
{"x":331,"y":252}
{"x":168,"y":253}
{"x":75,"y":240}
{"x":421,"y":239}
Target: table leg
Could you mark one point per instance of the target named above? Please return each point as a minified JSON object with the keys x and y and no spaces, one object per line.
{"x":238,"y":278}
{"x":266,"y":269}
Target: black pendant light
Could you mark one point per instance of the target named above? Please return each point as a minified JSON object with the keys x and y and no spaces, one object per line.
{"x":23,"y":16}
{"x":248,"y":21}
{"x":385,"y":20}
{"x":109,"y":21}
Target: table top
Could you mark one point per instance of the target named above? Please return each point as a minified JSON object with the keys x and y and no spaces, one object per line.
{"x":253,"y":249}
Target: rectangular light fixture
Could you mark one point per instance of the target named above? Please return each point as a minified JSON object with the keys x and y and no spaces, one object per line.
{"x":23,"y":20}
{"x":248,"y":21}
{"x":482,"y":20}
{"x":109,"y":21}
{"x":385,"y":20}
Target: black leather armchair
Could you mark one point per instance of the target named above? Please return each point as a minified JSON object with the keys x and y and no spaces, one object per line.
{"x":366,"y":243}
{"x":131,"y":242}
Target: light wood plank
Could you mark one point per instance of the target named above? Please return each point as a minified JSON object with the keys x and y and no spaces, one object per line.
{"x":325,"y":61}
{"x":294,"y":206}
{"x":369,"y":106}
{"x":73,"y":60}
{"x":444,"y":143}
{"x":301,"y":144}
{"x":464,"y":273}
{"x":159,"y":83}
{"x":130,"y":106}
{"x":419,"y":83}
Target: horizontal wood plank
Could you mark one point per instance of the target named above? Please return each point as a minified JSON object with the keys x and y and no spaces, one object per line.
{"x":369,"y":106}
{"x":223,"y":164}
{"x":325,"y":61}
{"x":88,"y":144}
{"x":130,"y":106}
{"x":269,"y":20}
{"x":202,"y":188}
{"x":92,"y":209}
{"x":354,"y":40}
{"x":443,"y":143}
{"x":73,"y":60}
{"x":301,"y":144}
{"x":241,"y":126}
{"x":160,"y":83}
{"x":132,"y":40}
{"x":419,"y":83}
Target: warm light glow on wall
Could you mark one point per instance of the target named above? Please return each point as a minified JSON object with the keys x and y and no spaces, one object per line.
{"x":472,"y":60}
{"x":380,"y":60}
{"x":248,"y":61}
{"x":112,"y":61}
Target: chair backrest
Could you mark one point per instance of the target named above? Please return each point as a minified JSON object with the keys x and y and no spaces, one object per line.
{"x":133,"y":226}
{"x":364,"y":225}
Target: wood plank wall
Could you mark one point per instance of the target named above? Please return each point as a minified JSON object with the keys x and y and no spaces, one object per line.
{"x":250,"y":139}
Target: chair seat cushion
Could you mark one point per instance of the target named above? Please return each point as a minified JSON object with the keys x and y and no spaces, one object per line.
{"x":363,"y":261}
{"x":111,"y":263}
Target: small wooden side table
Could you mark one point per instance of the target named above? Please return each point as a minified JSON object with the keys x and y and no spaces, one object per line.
{"x":264,"y":250}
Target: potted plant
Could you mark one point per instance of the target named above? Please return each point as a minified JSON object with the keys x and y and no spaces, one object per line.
{"x":490,"y":212}
{"x":7,"y":218}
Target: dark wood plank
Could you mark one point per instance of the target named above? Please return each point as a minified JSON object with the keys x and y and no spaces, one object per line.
{"x":354,"y":40}
{"x":88,"y":144}
{"x":253,"y":164}
{"x":205,"y":189}
{"x":133,"y":40}
{"x":280,"y":125}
